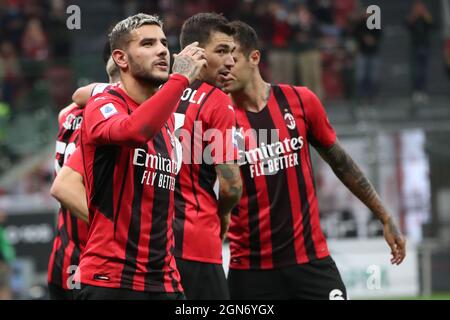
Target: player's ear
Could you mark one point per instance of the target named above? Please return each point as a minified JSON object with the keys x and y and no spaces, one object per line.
{"x":120,"y":58}
{"x":255,"y":57}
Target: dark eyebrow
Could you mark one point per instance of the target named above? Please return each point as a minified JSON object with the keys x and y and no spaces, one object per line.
{"x":153,"y":40}
{"x":147,"y":39}
{"x":223,"y":46}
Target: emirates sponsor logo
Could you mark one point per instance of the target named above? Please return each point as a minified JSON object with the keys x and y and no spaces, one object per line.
{"x":160,"y":171}
{"x":268,"y":159}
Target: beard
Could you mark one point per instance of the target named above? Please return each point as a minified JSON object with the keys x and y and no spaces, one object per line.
{"x":142,"y":75}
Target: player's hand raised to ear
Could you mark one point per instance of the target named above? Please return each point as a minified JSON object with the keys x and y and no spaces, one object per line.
{"x":190,"y":61}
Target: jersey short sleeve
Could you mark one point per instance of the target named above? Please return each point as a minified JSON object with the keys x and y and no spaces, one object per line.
{"x":320,"y":131}
{"x":75,"y":161}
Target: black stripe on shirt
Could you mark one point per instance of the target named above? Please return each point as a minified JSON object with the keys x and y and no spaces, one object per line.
{"x":134,"y":229}
{"x":158,"y":234}
{"x":58,"y":260}
{"x":306,"y":217}
{"x":103,"y":174}
{"x":281,"y":224}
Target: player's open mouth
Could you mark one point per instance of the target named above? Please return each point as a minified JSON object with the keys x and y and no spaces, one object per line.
{"x":223,"y":75}
{"x":161,"y":64}
{"x":229,"y":78}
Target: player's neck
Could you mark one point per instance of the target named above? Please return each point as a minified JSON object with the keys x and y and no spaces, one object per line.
{"x":137,"y":90}
{"x":254,"y":96}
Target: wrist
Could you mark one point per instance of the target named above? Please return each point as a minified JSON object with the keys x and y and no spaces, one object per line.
{"x":179,"y":77}
{"x":385,"y":219}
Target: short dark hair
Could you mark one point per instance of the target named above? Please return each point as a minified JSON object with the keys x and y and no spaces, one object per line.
{"x":245,"y":36}
{"x":200,"y":26}
{"x":120,"y":35}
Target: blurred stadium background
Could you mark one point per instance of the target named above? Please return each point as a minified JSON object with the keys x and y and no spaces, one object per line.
{"x":387,"y":93}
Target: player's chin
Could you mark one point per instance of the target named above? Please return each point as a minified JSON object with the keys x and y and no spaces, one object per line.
{"x":161,"y":73}
{"x":160,"y":76}
{"x":228,"y":86}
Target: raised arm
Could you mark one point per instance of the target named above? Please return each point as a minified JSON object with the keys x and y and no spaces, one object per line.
{"x":107,"y":123}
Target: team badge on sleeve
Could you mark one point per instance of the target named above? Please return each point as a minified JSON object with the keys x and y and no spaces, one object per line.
{"x":108,"y":110}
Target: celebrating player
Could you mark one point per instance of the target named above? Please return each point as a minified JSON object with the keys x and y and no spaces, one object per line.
{"x":278,"y":250}
{"x":126,"y":144}
{"x":69,"y":190}
{"x":201,"y":211}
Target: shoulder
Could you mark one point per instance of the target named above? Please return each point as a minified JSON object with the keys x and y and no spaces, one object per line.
{"x":307,"y":97}
{"x":304,"y":91}
{"x":218,"y":99}
{"x":213,"y":92}
{"x":104,"y":97}
{"x":107,"y":103}
{"x":296,"y":96}
{"x":220,"y":107}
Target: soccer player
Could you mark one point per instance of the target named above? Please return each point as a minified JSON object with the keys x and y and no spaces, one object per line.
{"x":126,"y":143}
{"x":67,"y":189}
{"x":202,"y":211}
{"x":278,"y":250}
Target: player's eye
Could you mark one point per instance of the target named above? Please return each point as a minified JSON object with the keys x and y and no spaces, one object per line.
{"x":147,"y":43}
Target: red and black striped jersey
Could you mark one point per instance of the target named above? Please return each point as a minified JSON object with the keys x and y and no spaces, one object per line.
{"x":130,"y":186}
{"x":71,"y":232}
{"x":276,"y":222}
{"x":205,"y":116}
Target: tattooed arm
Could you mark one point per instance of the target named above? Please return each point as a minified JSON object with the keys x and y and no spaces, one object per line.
{"x":230,"y":191}
{"x":190,"y":61}
{"x":354,"y":179}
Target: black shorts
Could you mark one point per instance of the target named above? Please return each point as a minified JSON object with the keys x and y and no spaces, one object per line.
{"x":203,"y":281}
{"x":101,"y":293}
{"x":58,"y":293}
{"x":316,"y":280}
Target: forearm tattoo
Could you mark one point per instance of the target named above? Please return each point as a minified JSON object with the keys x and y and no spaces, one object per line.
{"x":184,"y":65}
{"x":230,"y":186}
{"x":353,"y":178}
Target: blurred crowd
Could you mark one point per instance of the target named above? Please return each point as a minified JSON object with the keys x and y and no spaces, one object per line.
{"x":35,"y":50}
{"x":32,"y":34}
{"x":310,"y":42}
{"x":322,"y":44}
